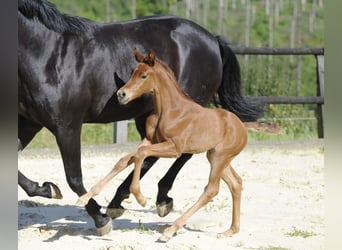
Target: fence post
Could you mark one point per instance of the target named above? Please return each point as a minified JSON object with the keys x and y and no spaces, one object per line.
{"x":320,"y":92}
{"x":120,"y":132}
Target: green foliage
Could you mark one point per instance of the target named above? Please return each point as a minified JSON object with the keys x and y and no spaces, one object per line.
{"x":150,"y":7}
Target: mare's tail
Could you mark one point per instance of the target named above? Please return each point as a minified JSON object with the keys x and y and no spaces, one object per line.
{"x":229,"y":91}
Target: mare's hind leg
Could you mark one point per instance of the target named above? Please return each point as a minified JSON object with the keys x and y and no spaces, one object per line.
{"x":26,"y":131}
{"x":234,"y":183}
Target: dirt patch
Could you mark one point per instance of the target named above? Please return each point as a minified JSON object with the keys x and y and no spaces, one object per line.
{"x":282,"y":202}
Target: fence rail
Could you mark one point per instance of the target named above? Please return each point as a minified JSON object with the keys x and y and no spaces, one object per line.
{"x":120,"y":131}
{"x":277,"y":51}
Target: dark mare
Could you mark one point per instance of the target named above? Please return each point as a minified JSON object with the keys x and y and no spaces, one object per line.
{"x":70,"y":68}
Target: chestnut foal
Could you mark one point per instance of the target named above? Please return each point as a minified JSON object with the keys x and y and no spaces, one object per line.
{"x":179,"y":125}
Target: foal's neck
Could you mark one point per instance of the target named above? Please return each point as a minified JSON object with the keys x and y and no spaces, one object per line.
{"x":167,"y":93}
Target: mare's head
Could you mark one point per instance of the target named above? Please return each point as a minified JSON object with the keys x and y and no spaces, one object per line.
{"x":142,"y":80}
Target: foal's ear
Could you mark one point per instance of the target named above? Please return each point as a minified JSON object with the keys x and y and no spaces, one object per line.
{"x":138,"y":56}
{"x":150,"y":58}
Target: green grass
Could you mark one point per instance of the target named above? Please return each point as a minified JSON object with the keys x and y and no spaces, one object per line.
{"x":295,"y":232}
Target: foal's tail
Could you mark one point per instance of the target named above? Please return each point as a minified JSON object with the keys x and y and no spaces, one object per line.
{"x":229,"y":91}
{"x":268,"y":128}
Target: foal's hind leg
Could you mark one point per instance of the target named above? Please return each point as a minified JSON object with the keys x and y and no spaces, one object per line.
{"x":234,"y":183}
{"x":218,"y":163}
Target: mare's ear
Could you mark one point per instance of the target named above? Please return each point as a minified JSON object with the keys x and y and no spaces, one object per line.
{"x":138,"y":56}
{"x":150,"y":58}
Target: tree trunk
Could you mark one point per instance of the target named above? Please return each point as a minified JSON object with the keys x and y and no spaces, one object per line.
{"x":247,"y":27}
{"x":134,"y":9}
{"x":293,"y":28}
{"x":188,"y":8}
{"x":312,"y":17}
{"x":107,"y":11}
{"x":206,"y":8}
{"x":219,"y":17}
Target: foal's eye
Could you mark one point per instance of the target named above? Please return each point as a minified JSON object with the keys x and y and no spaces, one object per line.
{"x":143,"y":77}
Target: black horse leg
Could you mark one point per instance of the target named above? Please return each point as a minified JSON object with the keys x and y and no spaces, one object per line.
{"x":26,"y":131}
{"x":114,"y":208}
{"x":164,"y":203}
{"x":69,"y":144}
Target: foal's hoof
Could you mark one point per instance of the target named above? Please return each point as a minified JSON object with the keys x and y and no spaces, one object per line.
{"x":55,"y":192}
{"x":82,"y":201}
{"x":143,"y":202}
{"x":163,"y":239}
{"x":164,"y":209}
{"x":105,"y":229}
{"x":167,"y":235}
{"x":115,"y":212}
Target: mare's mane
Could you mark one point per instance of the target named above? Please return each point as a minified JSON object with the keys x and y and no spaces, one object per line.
{"x":173,"y":78}
{"x":47,"y":14}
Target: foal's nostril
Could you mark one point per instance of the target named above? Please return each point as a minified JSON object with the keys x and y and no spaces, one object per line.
{"x":121,"y":94}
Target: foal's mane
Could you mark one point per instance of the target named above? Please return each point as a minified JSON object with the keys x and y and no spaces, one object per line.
{"x":173,"y":78}
{"x":49,"y":15}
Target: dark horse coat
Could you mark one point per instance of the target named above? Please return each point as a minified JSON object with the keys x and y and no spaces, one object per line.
{"x":70,"y":68}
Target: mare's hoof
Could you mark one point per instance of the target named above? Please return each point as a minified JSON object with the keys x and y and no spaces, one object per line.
{"x":164,"y":209}
{"x":54,"y":190}
{"x":115,"y":212}
{"x":105,"y":229}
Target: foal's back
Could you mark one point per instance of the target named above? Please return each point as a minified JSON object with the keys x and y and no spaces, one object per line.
{"x":203,"y":129}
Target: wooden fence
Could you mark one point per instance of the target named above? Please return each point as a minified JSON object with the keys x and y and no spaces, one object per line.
{"x":120,"y":128}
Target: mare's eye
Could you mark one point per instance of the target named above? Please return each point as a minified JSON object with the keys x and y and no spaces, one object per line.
{"x":143,"y":77}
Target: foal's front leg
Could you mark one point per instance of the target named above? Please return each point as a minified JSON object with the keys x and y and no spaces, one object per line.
{"x":165,"y":149}
{"x":123,"y":163}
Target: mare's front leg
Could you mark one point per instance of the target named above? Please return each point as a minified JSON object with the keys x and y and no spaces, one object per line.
{"x":68,"y":140}
{"x":165,"y":149}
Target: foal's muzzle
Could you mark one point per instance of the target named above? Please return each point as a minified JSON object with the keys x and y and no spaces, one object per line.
{"x":122,"y":97}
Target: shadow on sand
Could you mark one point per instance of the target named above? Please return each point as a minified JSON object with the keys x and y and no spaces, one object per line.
{"x":56,"y":221}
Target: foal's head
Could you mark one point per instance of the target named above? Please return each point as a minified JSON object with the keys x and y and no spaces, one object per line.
{"x":142,"y":80}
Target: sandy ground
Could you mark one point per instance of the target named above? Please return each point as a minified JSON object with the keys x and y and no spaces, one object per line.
{"x":282,"y":202}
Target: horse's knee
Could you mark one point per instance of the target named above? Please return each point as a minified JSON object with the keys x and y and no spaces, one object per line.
{"x":211,"y":192}
{"x":141,"y":154}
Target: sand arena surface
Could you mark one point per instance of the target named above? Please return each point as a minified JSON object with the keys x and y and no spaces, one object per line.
{"x":282,"y":202}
